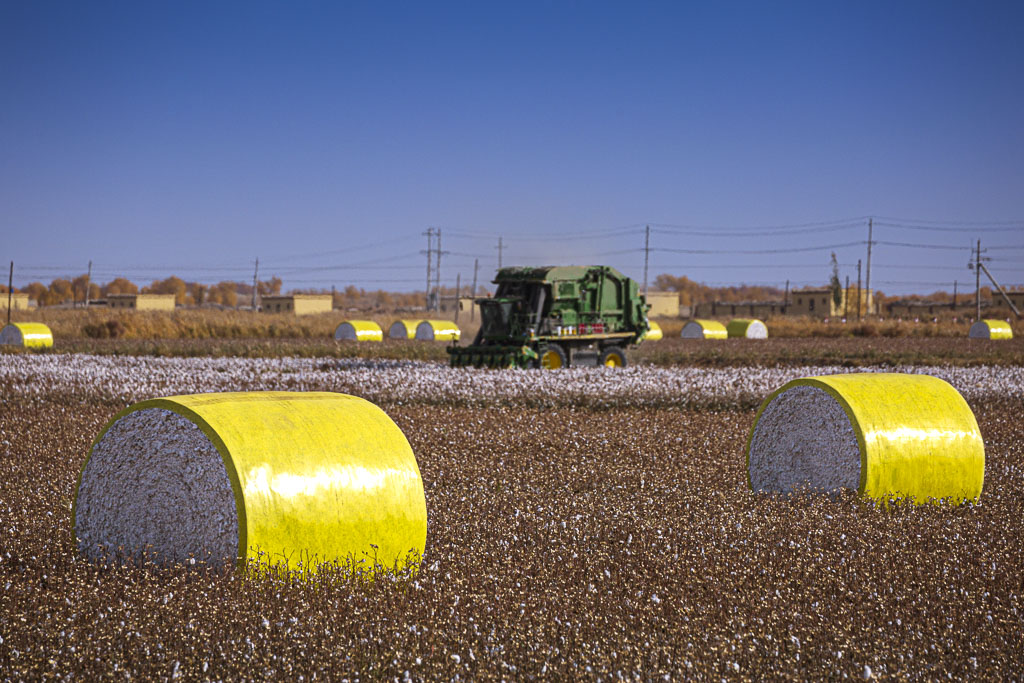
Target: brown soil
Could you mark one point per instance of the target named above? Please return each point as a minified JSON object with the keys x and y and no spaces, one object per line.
{"x":565,"y":544}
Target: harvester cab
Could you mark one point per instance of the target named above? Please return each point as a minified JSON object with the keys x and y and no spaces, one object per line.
{"x":554,"y":317}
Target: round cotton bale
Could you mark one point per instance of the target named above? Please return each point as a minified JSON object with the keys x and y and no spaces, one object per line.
{"x":27,"y":336}
{"x":278,"y":478}
{"x":403,"y":329}
{"x":438,"y":330}
{"x":654,"y":333}
{"x":704,"y":329}
{"x":885,"y":435}
{"x":991,"y":329}
{"x":747,"y":329}
{"x":358,"y":330}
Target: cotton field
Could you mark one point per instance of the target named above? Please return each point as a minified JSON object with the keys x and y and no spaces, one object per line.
{"x":582,"y":524}
{"x":129,"y":379}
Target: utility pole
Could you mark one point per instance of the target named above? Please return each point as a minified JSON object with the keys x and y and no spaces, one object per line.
{"x":10,"y":292}
{"x":426,"y":292}
{"x":500,"y":249}
{"x":785,"y":297}
{"x":858,"y":290}
{"x":647,"y":248}
{"x":458,"y":287}
{"x":437,"y":272}
{"x":867,"y":278}
{"x":846,"y":299}
{"x":999,"y":289}
{"x":255,"y":282}
{"x":977,"y":282}
{"x":88,"y":280}
{"x":954,"y":296}
{"x":472,"y":295}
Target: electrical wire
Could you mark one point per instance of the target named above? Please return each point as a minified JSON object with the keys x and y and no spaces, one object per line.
{"x":921,"y":246}
{"x":790,"y":250}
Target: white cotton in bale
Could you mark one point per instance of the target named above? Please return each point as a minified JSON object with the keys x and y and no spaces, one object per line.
{"x":155,"y":484}
{"x":804,"y":438}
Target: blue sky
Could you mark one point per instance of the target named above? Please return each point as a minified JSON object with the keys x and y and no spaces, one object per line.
{"x":324,"y":138}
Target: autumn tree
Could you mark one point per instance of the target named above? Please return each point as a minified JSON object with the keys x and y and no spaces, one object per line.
{"x":224,"y":293}
{"x":172,"y":285}
{"x":834,"y":284}
{"x":37,"y":291}
{"x":119,"y":285}
{"x":60,"y":291}
{"x":78,"y":286}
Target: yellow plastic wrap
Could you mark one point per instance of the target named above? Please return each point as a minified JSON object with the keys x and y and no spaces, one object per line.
{"x":704,"y":329}
{"x":746,"y":329}
{"x":27,"y":335}
{"x":655,"y":333}
{"x":991,"y":329}
{"x":438,"y":330}
{"x":917,"y":436}
{"x":403,"y":329}
{"x":358,"y":330}
{"x":317,"y":476}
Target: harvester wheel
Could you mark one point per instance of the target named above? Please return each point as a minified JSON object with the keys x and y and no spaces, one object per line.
{"x":613,"y":357}
{"x":551,"y":357}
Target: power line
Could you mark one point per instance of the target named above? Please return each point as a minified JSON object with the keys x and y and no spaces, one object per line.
{"x":766,"y":232}
{"x":922,"y":246}
{"x":823,"y":247}
{"x":938,"y":225}
{"x":562,"y":236}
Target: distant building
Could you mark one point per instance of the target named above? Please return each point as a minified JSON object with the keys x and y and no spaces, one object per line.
{"x":811,"y":302}
{"x":469,"y":306}
{"x":1015,"y":295}
{"x":916,"y":308}
{"x":747,"y":309}
{"x":142,"y":302}
{"x":19,"y":302}
{"x":818,"y":303}
{"x":663,"y":304}
{"x":299,"y":304}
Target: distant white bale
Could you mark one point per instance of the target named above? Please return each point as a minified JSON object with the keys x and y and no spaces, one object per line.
{"x":358,"y":330}
{"x":438,"y":330}
{"x":749,"y":329}
{"x":704,"y":329}
{"x":403,"y":329}
{"x":991,"y":329}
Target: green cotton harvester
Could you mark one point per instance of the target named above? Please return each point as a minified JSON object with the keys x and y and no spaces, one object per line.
{"x":556,"y":317}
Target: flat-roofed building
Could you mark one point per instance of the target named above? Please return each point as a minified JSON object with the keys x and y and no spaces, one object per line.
{"x":141,"y":302}
{"x":19,"y":301}
{"x":747,"y":309}
{"x":663,"y":304}
{"x":298,"y":304}
{"x":817,"y":302}
{"x":1014,"y":295}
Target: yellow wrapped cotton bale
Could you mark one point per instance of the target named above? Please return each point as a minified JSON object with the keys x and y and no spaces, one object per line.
{"x":885,"y":435}
{"x":27,"y":335}
{"x":991,"y":329}
{"x":655,"y":333}
{"x":280,"y":478}
{"x":438,"y":330}
{"x":704,"y":329}
{"x":403,"y":329}
{"x":747,"y":329}
{"x":358,"y":330}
